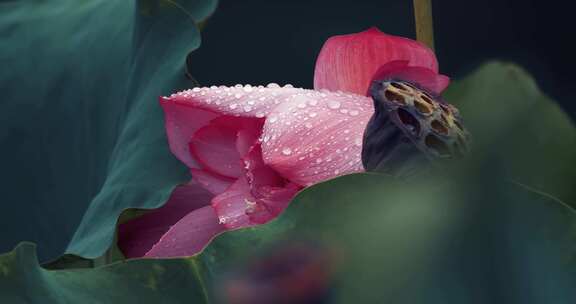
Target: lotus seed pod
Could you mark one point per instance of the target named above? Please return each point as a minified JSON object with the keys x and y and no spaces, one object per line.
{"x":410,"y":129}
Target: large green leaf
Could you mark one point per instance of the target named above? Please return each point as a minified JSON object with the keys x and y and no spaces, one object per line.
{"x":82,"y":132}
{"x":476,"y":241}
{"x":22,"y":280}
{"x":518,"y":128}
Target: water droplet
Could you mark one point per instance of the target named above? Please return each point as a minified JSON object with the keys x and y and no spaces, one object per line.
{"x":308,"y":125}
{"x":247,"y":108}
{"x":313,"y":102}
{"x":259,"y":114}
{"x":203,"y":93}
{"x":333,"y":104}
{"x":238,"y":86}
{"x":354,"y":113}
{"x":336,"y":171}
{"x":273,"y":119}
{"x":251,"y":102}
{"x":286,"y":151}
{"x":318,"y":160}
{"x":302,"y":105}
{"x":196,"y":89}
{"x":266,"y":138}
{"x":312,"y":114}
{"x":272,"y":85}
{"x":233,"y":106}
{"x":248,"y":88}
{"x":213,"y":87}
{"x":346,"y":131}
{"x":262,"y":98}
{"x":343,"y":111}
{"x":358,"y":141}
{"x":238,"y":96}
{"x":288,"y":86}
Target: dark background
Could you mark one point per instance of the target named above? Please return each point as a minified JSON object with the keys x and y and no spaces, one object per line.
{"x":262,"y":41}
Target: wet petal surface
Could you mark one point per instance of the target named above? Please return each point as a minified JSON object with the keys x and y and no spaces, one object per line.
{"x":188,"y":111}
{"x":316,"y":136}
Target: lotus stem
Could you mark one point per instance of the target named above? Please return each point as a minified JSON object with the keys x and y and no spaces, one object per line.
{"x":423,"y":19}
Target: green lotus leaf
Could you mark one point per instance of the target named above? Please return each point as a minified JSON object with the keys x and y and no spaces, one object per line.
{"x":82,"y":133}
{"x":446,"y":240}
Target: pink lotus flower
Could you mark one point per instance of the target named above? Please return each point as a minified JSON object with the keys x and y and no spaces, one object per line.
{"x":250,"y":149}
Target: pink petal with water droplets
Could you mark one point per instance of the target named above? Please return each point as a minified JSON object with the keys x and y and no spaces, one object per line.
{"x":187,"y":111}
{"x":255,"y":198}
{"x":214,"y":183}
{"x":423,"y":77}
{"x":137,"y":236}
{"x":348,"y":62}
{"x":231,"y":205}
{"x":271,"y":191}
{"x":316,"y":136}
{"x":189,"y":236}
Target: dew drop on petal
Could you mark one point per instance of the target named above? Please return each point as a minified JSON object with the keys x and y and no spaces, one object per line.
{"x":259,"y":114}
{"x":333,"y":104}
{"x":247,"y":108}
{"x":273,"y":119}
{"x":196,"y":89}
{"x":286,"y":151}
{"x":248,"y":88}
{"x":308,"y":125}
{"x":354,"y":113}
{"x":272,"y":85}
{"x":312,"y":114}
{"x":233,"y":106}
{"x":238,"y":96}
{"x":313,"y":102}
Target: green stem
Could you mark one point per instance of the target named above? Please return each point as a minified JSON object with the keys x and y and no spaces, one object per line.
{"x":423,"y":19}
